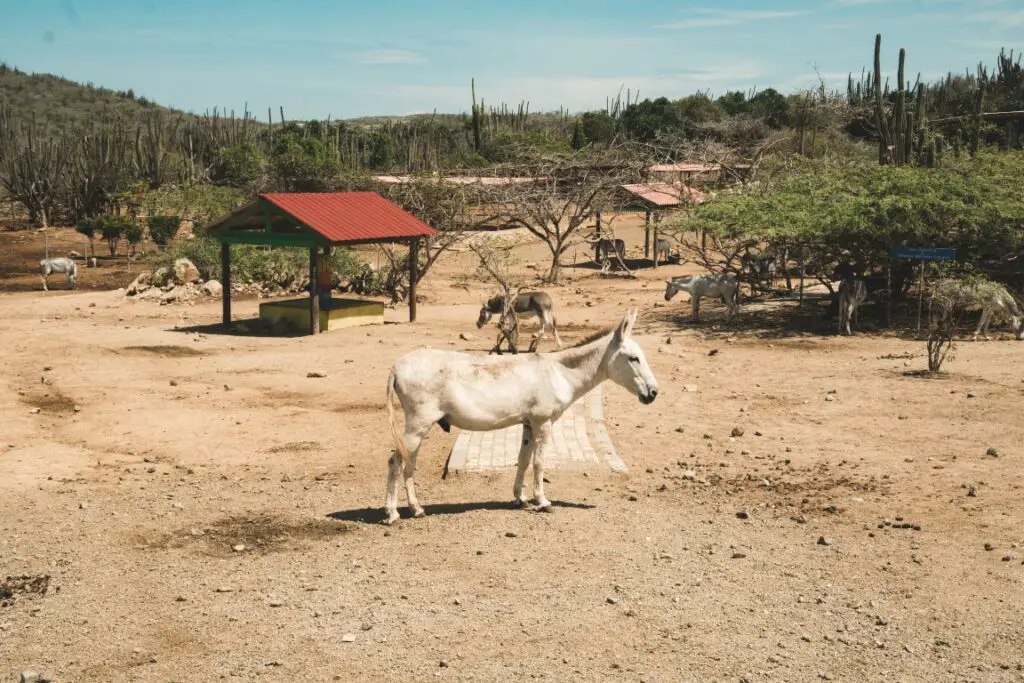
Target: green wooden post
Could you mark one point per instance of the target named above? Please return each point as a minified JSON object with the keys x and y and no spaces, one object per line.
{"x":225,"y":280}
{"x":314,"y":290}
{"x":414,"y":251}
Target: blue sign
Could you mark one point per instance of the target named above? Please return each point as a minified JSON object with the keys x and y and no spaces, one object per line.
{"x":924,"y":253}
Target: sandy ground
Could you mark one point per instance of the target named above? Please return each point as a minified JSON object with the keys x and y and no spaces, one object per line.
{"x":862,"y":534}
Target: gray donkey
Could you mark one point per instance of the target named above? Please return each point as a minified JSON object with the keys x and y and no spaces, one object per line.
{"x":527,"y":305}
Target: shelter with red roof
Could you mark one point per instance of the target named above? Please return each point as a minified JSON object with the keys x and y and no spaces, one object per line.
{"x":318,"y":221}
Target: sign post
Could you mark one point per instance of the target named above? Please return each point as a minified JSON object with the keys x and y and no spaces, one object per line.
{"x":921,"y":254}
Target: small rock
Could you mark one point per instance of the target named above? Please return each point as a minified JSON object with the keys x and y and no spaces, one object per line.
{"x":510,"y":534}
{"x":34,"y":411}
{"x":225,"y":589}
{"x":348,"y":638}
{"x":680,"y":429}
{"x":212,"y":288}
{"x":830,"y":397}
{"x":690,"y":388}
{"x":227,"y":387}
{"x":989,"y":547}
{"x":30,"y":677}
{"x":315,"y":375}
{"x":707,"y":435}
{"x":443,"y":664}
{"x":824,"y":541}
{"x":82,"y":506}
{"x":466,"y":337}
{"x":742,"y":515}
{"x":738,"y":556}
{"x":972,"y":394}
{"x":713,"y":352}
{"x":77,"y":408}
{"x":274,"y":603}
{"x":173,"y":382}
{"x":737,"y":431}
{"x":992,"y":451}
{"x":1007,"y":558}
{"x":611,"y":601}
{"x":238,"y":548}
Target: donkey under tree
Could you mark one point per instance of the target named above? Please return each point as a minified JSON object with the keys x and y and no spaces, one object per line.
{"x":484,"y":393}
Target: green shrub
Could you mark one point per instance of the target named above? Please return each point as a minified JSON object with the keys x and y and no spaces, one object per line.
{"x":134,"y":234}
{"x":254,"y":264}
{"x":113,"y":228}
{"x":162,"y":229}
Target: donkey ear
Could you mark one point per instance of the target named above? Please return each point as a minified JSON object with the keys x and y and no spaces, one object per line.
{"x":630,"y":321}
{"x":625,"y":326}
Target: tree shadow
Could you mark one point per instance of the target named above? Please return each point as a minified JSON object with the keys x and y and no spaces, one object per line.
{"x":632,"y":263}
{"x":376,"y":515}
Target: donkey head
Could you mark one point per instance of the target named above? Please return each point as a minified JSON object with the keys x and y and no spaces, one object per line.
{"x":672,"y":287}
{"x":494,"y":305}
{"x":627,"y":365}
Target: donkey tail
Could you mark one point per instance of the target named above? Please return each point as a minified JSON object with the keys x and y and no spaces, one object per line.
{"x":403,"y":452}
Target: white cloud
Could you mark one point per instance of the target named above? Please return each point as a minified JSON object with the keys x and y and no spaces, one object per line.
{"x":577,"y":93}
{"x":720,"y":17}
{"x":389,"y":57}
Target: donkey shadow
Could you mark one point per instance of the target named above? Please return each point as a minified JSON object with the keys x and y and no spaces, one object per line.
{"x":376,"y":515}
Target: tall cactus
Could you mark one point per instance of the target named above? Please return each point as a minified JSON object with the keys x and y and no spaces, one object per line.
{"x":881,"y":120}
{"x":900,"y":132}
{"x":477,"y":115}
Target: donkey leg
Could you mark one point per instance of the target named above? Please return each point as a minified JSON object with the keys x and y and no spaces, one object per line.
{"x":554,"y":330}
{"x":394,"y":474}
{"x":43,"y":278}
{"x":695,"y":306}
{"x":525,"y":451}
{"x":540,"y":446}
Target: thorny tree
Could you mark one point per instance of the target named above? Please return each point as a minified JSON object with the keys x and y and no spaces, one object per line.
{"x":495,"y":261}
{"x":444,"y":207}
{"x":565,"y":193}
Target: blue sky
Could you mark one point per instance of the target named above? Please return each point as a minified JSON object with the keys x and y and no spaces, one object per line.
{"x":349,"y":58}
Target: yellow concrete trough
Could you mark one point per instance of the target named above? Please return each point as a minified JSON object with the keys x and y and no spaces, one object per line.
{"x":337,"y":314}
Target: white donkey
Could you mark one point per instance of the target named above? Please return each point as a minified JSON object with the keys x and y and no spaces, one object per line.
{"x":49,"y":266}
{"x":991,"y":297}
{"x":484,"y":393}
{"x":852,"y":293}
{"x":700,"y":286}
{"x":526,"y":305}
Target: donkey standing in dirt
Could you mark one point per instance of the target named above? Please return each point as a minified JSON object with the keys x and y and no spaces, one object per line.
{"x":484,"y":393}
{"x":526,"y":305}
{"x":723,"y":285}
{"x":49,"y":266}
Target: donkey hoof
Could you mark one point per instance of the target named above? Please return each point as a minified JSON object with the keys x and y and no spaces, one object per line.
{"x":543,"y":505}
{"x":419,"y":512}
{"x":519,"y":503}
{"x":392,"y":517}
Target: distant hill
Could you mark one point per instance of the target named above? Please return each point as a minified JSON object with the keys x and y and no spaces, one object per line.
{"x":58,"y":102}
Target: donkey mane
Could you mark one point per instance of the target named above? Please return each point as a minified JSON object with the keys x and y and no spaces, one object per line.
{"x":592,"y":337}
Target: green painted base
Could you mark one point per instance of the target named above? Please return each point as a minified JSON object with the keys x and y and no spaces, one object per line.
{"x":339,"y":313}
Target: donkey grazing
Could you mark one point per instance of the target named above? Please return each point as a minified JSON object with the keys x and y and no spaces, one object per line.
{"x":605,"y":246}
{"x":526,"y":305}
{"x":991,"y":297}
{"x":49,"y":266}
{"x":699,"y":286}
{"x":484,"y":393}
{"x":852,"y":293}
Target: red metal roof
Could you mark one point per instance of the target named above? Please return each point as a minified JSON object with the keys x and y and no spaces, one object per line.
{"x":665,"y":194}
{"x":350,"y":216}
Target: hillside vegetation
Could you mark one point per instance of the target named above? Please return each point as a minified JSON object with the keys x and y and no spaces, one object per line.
{"x":99,"y":152}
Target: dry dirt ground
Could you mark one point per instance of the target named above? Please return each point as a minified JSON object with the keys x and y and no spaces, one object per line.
{"x":857,"y":530}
